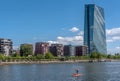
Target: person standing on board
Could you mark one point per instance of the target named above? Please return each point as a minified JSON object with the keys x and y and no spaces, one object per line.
{"x":77,"y":70}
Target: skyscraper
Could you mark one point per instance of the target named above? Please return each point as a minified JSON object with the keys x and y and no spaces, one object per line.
{"x":94,"y":29}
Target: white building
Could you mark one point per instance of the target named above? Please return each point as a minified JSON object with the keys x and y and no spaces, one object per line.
{"x":5,"y":46}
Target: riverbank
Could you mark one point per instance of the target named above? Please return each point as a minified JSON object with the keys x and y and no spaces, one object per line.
{"x":57,"y":61}
{"x":43,"y":62}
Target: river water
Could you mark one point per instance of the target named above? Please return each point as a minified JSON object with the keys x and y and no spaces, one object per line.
{"x":102,"y":71}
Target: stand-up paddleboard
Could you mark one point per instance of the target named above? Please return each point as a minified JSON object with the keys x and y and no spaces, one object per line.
{"x":76,"y":75}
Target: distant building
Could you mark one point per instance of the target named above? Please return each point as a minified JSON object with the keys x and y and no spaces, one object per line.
{"x":81,"y":50}
{"x":6,"y":46}
{"x":26,"y":49}
{"x":41,"y":48}
{"x":57,"y":49}
{"x":69,"y":50}
{"x":16,"y":51}
{"x":94,"y":29}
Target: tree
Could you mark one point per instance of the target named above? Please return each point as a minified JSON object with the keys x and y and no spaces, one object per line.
{"x":26,"y":50}
{"x":49,"y":55}
{"x":93,"y":55}
{"x":99,"y":56}
{"x":15,"y":55}
{"x":2,"y":56}
{"x":109,"y":56}
{"x":40,"y":56}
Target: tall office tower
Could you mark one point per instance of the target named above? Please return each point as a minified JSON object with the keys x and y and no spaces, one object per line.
{"x":94,"y":29}
{"x":5,"y":46}
{"x":41,"y":48}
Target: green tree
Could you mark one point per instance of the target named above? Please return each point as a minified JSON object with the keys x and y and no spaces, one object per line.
{"x":40,"y":56}
{"x":26,"y":50}
{"x":99,"y":56}
{"x":2,"y":56}
{"x":93,"y":55}
{"x":15,"y":55}
{"x":109,"y":56}
{"x":9,"y":58}
{"x":49,"y":55}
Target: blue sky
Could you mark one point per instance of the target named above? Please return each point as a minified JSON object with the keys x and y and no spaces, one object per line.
{"x":30,"y":21}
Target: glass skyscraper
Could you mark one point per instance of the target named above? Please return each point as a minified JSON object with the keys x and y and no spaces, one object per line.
{"x":94,"y":29}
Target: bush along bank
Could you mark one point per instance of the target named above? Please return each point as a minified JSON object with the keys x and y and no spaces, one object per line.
{"x":49,"y":57}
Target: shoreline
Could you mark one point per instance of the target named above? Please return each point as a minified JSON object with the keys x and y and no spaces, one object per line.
{"x":57,"y":61}
{"x":43,"y":62}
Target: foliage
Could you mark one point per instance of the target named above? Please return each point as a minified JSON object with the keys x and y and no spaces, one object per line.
{"x":2,"y":56}
{"x":85,"y":57}
{"x":49,"y":55}
{"x":93,"y":55}
{"x":109,"y":56}
{"x":97,"y":55}
{"x":26,"y":50}
{"x":15,"y":55}
{"x":40,"y":56}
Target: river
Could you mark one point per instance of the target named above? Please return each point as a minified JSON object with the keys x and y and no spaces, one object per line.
{"x":99,"y":71}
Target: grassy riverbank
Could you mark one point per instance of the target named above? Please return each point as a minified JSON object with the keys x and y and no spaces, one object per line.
{"x":44,"y":62}
{"x":49,"y":58}
{"x":55,"y":61}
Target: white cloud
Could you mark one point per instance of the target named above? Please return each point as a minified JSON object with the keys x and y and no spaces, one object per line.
{"x":81,"y":33}
{"x":76,"y":40}
{"x":113,"y":35}
{"x":113,"y":50}
{"x":113,"y":39}
{"x":118,"y":48}
{"x":116,"y":38}
{"x":113,"y":32}
{"x":109,"y":40}
{"x":69,"y":39}
{"x":74,"y":29}
{"x":52,"y":42}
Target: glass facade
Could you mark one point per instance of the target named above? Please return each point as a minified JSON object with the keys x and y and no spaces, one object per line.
{"x":94,"y":29}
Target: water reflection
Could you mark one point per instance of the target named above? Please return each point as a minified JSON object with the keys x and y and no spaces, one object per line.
{"x":104,"y":71}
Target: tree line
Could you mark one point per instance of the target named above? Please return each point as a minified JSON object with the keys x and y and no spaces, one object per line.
{"x":26,"y":53}
{"x":49,"y":56}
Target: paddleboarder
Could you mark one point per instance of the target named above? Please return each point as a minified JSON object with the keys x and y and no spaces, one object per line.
{"x":77,"y":70}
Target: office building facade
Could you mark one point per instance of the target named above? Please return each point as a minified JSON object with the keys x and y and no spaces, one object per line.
{"x":94,"y":29}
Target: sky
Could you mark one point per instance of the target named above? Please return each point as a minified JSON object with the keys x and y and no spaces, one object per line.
{"x":55,"y":21}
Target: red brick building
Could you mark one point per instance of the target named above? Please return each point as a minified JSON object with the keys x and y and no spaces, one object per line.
{"x":41,"y":47}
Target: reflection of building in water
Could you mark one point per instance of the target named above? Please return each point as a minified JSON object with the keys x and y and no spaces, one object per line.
{"x":5,"y":46}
